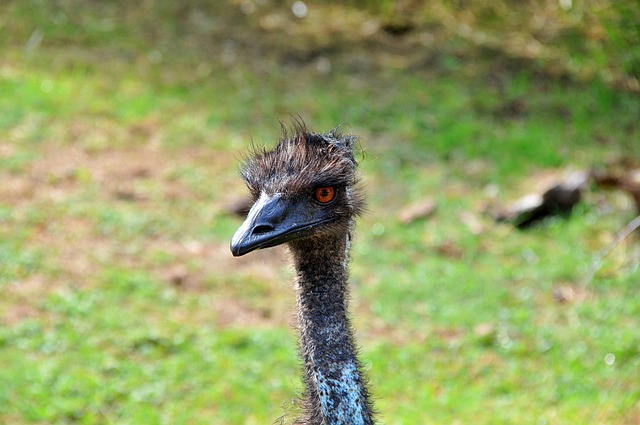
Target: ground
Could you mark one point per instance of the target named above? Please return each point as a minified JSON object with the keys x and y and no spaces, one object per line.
{"x":120,"y":133}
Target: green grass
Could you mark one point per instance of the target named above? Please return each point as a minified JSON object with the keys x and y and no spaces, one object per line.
{"x":120,"y":133}
{"x":95,"y":364}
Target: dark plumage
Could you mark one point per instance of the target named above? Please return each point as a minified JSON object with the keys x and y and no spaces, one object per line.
{"x":302,"y":161}
{"x":306,"y":196}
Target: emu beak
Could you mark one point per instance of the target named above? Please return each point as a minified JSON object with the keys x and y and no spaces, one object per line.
{"x":264,"y":226}
{"x":274,"y":220}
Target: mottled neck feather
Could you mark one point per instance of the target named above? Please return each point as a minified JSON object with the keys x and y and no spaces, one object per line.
{"x":336,"y":389}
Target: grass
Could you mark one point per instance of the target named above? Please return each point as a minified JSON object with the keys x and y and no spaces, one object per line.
{"x":119,"y":140}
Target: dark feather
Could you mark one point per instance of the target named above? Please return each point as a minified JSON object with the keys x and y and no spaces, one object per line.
{"x":303,"y":161}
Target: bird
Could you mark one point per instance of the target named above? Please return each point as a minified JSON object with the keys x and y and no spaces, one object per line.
{"x":306,"y":195}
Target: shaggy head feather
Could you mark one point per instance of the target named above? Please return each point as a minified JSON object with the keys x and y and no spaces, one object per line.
{"x":302,"y":162}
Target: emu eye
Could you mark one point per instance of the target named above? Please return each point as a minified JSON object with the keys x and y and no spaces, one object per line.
{"x":324,"y":195}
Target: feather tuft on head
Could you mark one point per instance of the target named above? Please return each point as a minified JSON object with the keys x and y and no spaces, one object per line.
{"x":303,"y":161}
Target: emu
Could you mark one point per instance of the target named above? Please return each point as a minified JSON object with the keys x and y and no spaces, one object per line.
{"x":306,"y":196}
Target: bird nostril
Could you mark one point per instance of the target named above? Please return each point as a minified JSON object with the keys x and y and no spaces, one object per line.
{"x":262,"y":228}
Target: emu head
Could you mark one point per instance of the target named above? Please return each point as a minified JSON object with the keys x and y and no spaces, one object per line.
{"x":305,"y":188}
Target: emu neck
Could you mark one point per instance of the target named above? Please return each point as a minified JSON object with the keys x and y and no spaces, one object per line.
{"x":336,"y":390}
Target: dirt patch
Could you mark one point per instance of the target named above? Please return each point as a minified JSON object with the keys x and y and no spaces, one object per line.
{"x":232,"y":312}
{"x":16,"y":313}
{"x":228,"y":284}
{"x":16,"y":189}
{"x":213,"y":259}
{"x":24,"y":293}
{"x":57,"y":201}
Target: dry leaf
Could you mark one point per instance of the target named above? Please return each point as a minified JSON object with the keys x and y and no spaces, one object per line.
{"x":415,"y":211}
{"x":472,"y":222}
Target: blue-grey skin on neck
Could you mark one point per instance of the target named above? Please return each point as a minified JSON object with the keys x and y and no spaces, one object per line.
{"x":336,"y":391}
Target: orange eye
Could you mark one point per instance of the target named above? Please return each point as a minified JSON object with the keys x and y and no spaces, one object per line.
{"x":325,"y":195}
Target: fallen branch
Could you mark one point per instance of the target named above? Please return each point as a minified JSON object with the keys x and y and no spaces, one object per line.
{"x":602,"y":254}
{"x":558,"y":199}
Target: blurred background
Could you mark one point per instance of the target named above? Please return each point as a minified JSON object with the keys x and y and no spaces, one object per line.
{"x":121,"y":127}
